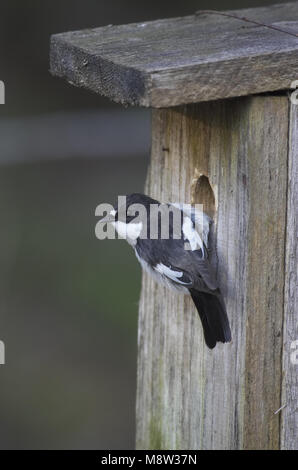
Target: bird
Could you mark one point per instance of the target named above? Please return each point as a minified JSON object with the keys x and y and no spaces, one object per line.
{"x":175,"y":253}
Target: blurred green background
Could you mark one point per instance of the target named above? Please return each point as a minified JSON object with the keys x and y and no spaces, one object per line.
{"x":68,"y":302}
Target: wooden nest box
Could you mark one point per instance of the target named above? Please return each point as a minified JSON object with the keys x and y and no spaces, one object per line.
{"x":224,"y":134}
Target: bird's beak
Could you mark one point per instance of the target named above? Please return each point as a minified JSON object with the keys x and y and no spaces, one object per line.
{"x":107,"y":219}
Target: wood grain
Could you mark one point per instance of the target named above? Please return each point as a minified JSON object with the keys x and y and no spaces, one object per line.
{"x":195,"y":58}
{"x":289,"y":415}
{"x":189,"y":397}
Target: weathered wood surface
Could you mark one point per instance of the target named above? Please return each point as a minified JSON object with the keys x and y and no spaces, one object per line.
{"x":189,"y":397}
{"x":289,"y":437}
{"x":182,"y":60}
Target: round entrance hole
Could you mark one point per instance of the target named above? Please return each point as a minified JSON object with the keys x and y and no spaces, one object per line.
{"x":203,"y":194}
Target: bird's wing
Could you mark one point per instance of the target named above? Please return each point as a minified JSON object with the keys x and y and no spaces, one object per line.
{"x":193,"y":273}
{"x":193,"y":263}
{"x":205,"y":273}
{"x":195,"y":229}
{"x":176,"y":275}
{"x":183,"y":261}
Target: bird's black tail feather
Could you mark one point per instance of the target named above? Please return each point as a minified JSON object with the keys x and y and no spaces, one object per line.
{"x":214,"y":317}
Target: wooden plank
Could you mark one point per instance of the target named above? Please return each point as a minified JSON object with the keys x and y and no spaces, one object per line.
{"x":182,"y":60}
{"x":189,"y":397}
{"x":289,"y":415}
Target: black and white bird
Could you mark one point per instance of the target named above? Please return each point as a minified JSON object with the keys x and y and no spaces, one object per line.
{"x":167,"y":259}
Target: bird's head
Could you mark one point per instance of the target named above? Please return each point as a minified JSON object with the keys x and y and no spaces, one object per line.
{"x":128,"y":216}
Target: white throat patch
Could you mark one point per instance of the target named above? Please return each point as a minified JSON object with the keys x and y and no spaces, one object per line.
{"x":130,"y":232}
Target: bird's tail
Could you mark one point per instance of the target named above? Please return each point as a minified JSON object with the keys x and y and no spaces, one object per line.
{"x":213,"y":314}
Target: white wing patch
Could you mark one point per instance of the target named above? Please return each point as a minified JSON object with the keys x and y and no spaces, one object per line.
{"x":202,"y":225}
{"x":192,"y":235}
{"x":170,"y":273}
{"x":159,"y":276}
